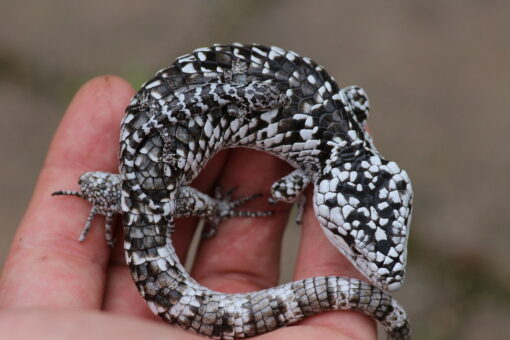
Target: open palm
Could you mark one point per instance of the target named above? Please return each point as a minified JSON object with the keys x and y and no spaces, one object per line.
{"x":53,"y":287}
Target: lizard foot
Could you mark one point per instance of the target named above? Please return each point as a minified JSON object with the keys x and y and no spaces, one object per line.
{"x":102,"y":190}
{"x":226,"y":208}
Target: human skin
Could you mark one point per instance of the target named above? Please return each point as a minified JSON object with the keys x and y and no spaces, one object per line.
{"x":53,"y":287}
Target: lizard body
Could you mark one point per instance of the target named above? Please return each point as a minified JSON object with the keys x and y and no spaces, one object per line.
{"x":273,"y":100}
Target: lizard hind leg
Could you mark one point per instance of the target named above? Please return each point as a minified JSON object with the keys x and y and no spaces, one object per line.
{"x":102,"y":190}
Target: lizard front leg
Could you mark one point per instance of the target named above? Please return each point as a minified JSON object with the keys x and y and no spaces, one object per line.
{"x":290,"y":188}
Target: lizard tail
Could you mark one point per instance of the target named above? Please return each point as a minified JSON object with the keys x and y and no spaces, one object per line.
{"x":176,"y":297}
{"x":129,"y":151}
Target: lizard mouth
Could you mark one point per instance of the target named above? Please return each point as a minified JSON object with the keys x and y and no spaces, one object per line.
{"x":371,"y":271}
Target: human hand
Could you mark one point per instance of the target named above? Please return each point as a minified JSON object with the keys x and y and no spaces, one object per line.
{"x":53,"y":287}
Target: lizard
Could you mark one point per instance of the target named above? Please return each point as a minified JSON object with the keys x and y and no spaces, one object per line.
{"x":274,"y":100}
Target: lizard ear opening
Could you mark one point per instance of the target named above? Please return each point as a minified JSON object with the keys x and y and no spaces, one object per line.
{"x":357,"y":99}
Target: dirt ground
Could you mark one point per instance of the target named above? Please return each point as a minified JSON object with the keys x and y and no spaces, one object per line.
{"x":437,"y":74}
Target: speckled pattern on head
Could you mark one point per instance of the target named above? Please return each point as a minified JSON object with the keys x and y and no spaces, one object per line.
{"x":273,"y":100}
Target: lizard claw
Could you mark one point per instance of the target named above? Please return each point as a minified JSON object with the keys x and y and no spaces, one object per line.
{"x":227,"y":196}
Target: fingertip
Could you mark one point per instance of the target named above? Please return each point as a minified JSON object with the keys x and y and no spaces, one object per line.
{"x":108,"y":94}
{"x":89,"y":130}
{"x":105,"y":88}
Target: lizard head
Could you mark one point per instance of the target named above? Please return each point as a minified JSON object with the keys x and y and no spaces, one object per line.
{"x":364,"y":208}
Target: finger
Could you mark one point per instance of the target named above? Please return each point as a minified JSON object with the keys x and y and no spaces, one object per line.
{"x":47,"y":266}
{"x":318,"y":257}
{"x":244,"y":254}
{"x":121,"y":295}
{"x":83,"y":325}
{"x":79,"y":325}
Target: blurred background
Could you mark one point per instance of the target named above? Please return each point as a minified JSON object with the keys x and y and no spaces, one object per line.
{"x":438,"y":77}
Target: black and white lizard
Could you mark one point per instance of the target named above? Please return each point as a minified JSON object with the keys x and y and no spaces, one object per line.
{"x":273,"y":100}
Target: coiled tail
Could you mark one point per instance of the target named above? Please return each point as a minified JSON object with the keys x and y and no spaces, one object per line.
{"x":172,"y":294}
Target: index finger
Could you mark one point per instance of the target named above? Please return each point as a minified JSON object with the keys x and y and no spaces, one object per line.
{"x":46,"y":265}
